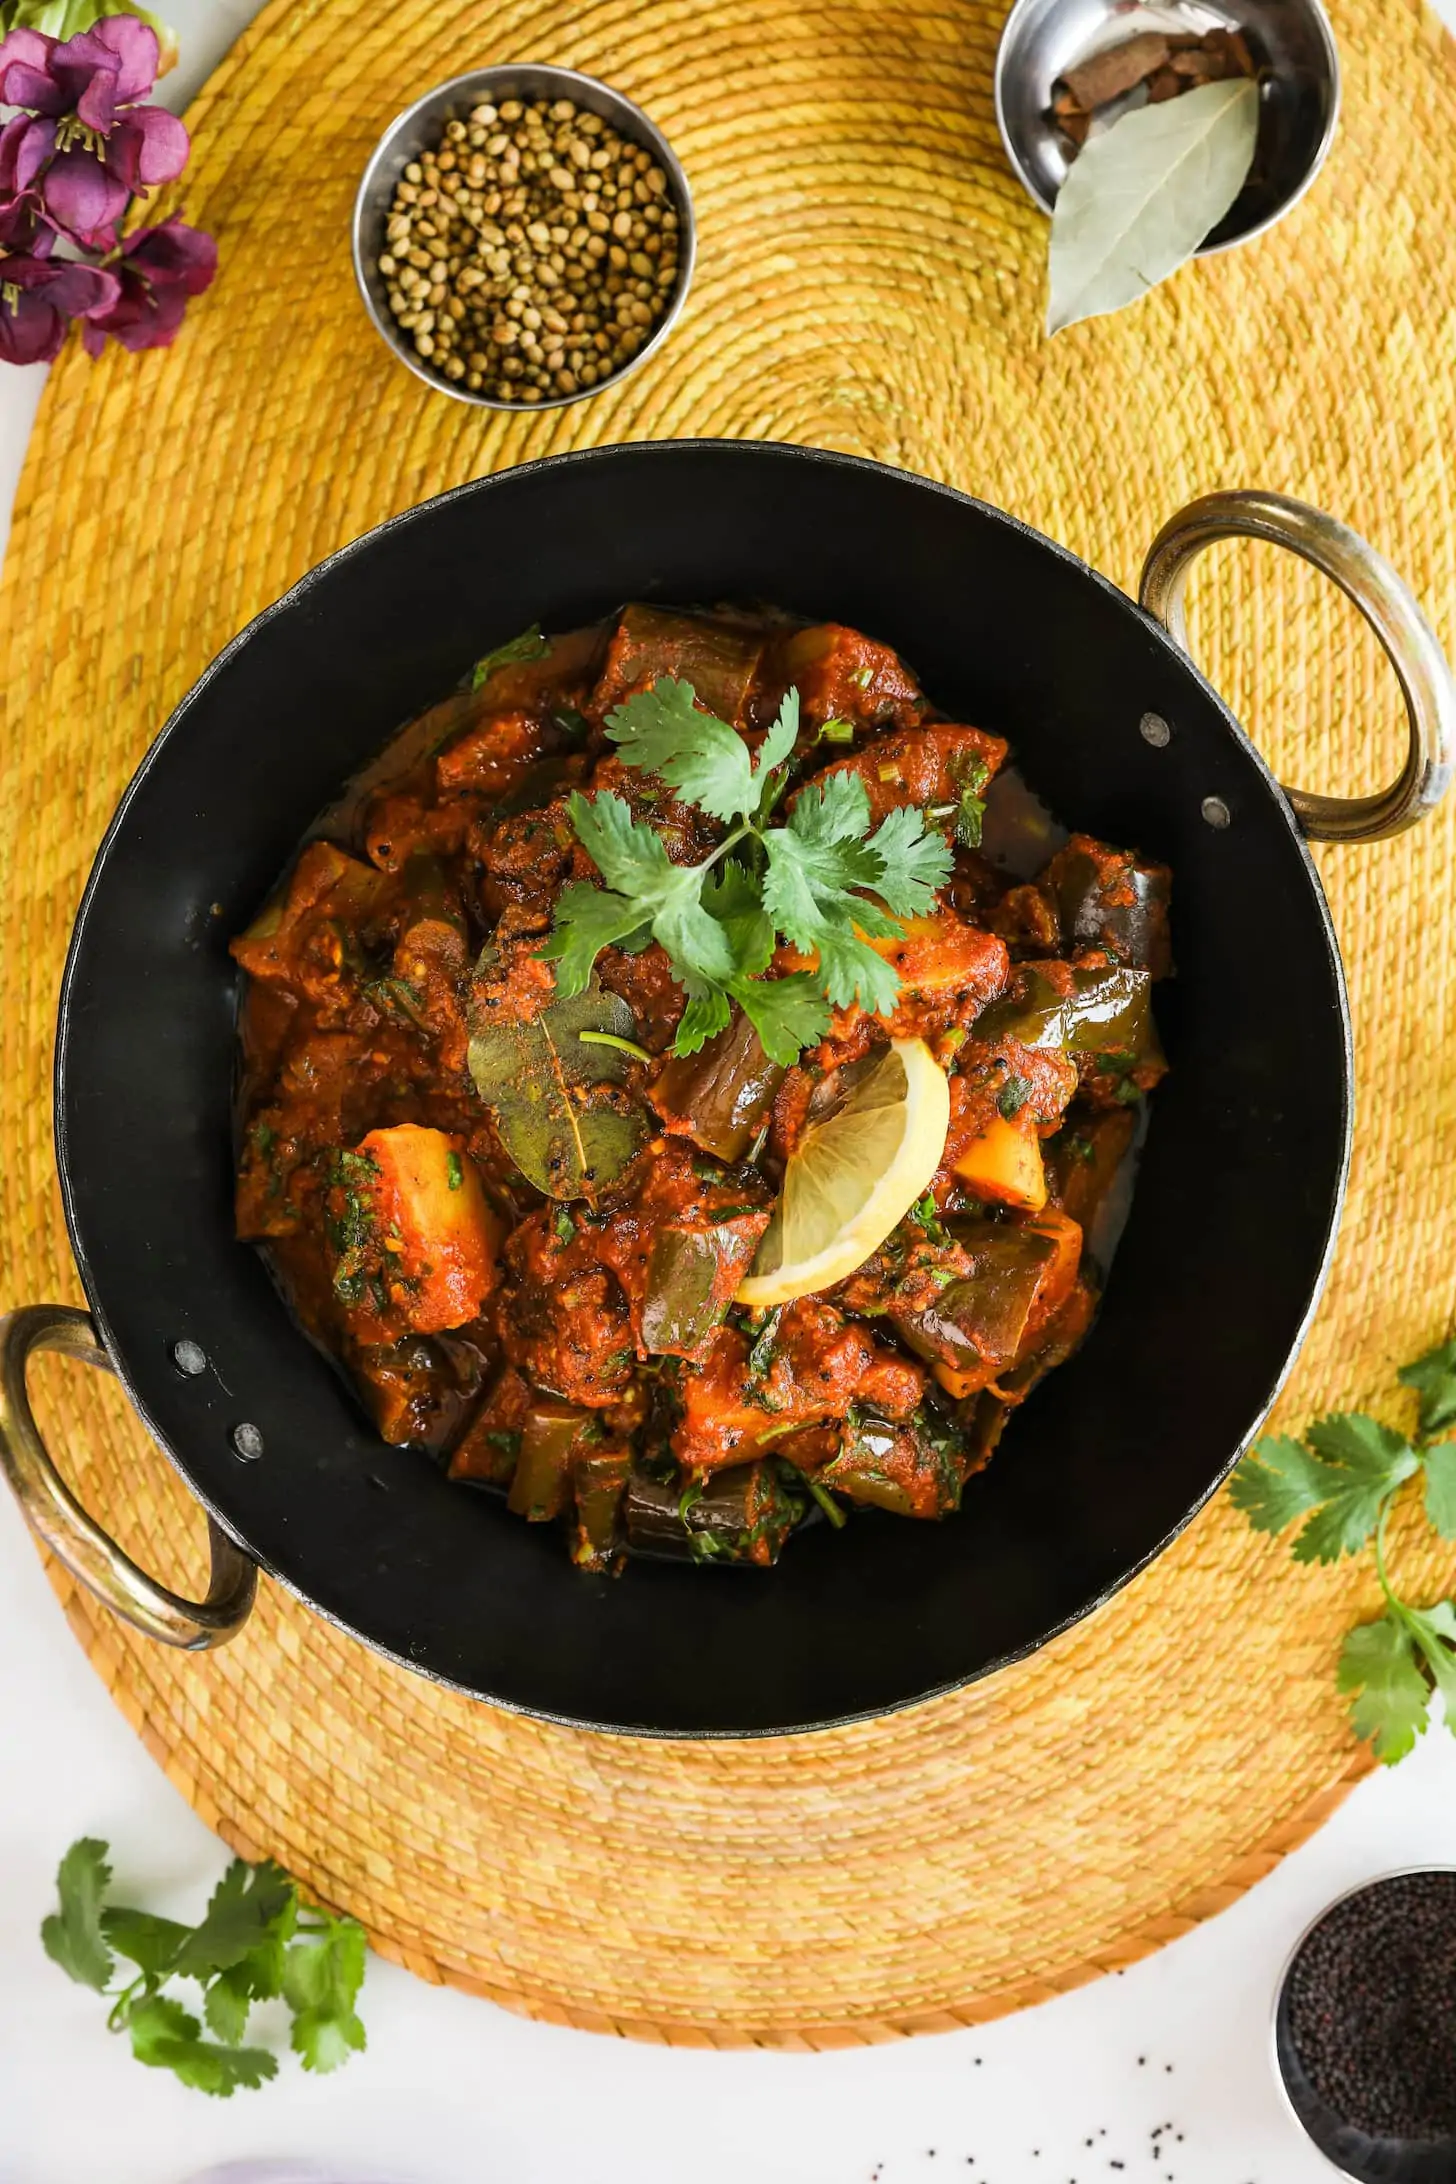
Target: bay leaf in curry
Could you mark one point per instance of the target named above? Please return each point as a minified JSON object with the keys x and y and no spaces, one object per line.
{"x":559,"y":1102}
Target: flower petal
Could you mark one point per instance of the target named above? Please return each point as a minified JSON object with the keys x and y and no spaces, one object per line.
{"x":30,"y":331}
{"x":137,"y":51}
{"x":83,"y":199}
{"x":23,"y":85}
{"x":173,"y":255}
{"x":33,"y":148}
{"x":164,"y":143}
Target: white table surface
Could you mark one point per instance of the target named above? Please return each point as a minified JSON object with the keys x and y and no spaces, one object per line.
{"x":453,"y":2091}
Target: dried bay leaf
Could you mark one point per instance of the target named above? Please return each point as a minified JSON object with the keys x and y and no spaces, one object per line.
{"x":1139,"y":199}
{"x":558,"y":1102}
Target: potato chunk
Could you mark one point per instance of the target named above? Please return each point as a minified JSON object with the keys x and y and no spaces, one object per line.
{"x":413,"y":1237}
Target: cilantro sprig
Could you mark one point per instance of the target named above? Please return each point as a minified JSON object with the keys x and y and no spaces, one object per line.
{"x":256,"y":1941}
{"x":822,"y":881}
{"x":1340,"y":1484}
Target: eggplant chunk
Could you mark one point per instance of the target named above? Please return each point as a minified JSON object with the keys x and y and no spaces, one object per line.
{"x":1108,"y":898}
{"x":721,"y":1096}
{"x":719,"y":659}
{"x":739,"y":1515}
{"x":912,"y":1468}
{"x":983,"y":1324}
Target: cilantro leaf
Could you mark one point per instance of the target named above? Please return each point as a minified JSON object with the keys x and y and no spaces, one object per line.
{"x":732,"y":897}
{"x":73,"y":1936}
{"x":166,"y":2037}
{"x":817,"y":881}
{"x":530,"y":645}
{"x":145,"y":1940}
{"x":1434,"y":1379}
{"x":247,"y":1905}
{"x":227,"y":2001}
{"x":787,"y":1013}
{"x":1338,"y":1483}
{"x":812,"y":864}
{"x":707,"y":1013}
{"x":588,"y":919}
{"x":913,"y":863}
{"x":1389,"y":1695}
{"x":852,"y":971}
{"x":627,"y":851}
{"x":781,"y":738}
{"x":1434,"y":1631}
{"x":1368,"y":1461}
{"x":663,"y":731}
{"x":970,"y":776}
{"x":1440,"y":1463}
{"x":322,"y":1975}
{"x":1277,"y":1481}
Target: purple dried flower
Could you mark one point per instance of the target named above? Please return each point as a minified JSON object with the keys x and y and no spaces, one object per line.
{"x":88,"y":140}
{"x":158,"y":269}
{"x":38,"y":299}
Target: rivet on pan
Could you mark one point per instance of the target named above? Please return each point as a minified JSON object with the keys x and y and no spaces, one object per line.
{"x":248,"y":1442}
{"x":1215,"y":811}
{"x":1155,"y":730}
{"x":189,"y":1358}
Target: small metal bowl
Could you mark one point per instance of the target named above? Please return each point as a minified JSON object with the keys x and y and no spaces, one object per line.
{"x":1291,"y":40}
{"x":420,"y":127}
{"x":1367,"y":2160}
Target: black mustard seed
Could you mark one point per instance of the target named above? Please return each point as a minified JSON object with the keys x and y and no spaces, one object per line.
{"x":1371,"y":2007}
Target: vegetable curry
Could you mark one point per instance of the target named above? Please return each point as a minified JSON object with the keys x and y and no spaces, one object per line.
{"x":546,"y":1012}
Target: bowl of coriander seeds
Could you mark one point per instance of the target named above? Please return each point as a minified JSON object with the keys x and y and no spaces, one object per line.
{"x":523,"y":237}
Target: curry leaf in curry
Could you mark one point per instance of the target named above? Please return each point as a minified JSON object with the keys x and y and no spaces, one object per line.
{"x":254,"y":1942}
{"x":821,"y":881}
{"x":1343,"y":1480}
{"x":556,"y":1099}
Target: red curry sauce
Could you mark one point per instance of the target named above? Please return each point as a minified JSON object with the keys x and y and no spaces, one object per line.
{"x":582,"y":1352}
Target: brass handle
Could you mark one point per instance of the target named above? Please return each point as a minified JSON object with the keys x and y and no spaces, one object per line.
{"x":1387,"y":605}
{"x":52,"y":1511}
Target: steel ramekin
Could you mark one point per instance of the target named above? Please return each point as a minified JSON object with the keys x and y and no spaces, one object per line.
{"x":1291,"y":40}
{"x":1346,"y":2149}
{"x":419,"y":129}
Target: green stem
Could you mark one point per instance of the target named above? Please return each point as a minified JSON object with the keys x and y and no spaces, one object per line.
{"x":1395,"y":1606}
{"x":610,"y":1039}
{"x":825,"y":1500}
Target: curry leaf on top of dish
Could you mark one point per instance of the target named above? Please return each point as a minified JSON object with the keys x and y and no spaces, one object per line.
{"x":667,"y":1113}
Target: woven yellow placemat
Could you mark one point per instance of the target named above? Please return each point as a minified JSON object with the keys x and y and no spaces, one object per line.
{"x":871,"y":279}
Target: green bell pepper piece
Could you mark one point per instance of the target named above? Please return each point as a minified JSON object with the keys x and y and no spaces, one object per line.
{"x":553,"y":1435}
{"x":1104,"y":1011}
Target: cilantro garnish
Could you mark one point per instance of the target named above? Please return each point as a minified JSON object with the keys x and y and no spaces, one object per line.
{"x":971,"y":776}
{"x":1341,"y":1482}
{"x":926,"y":1214}
{"x":1012,"y":1097}
{"x":530,"y":645}
{"x":256,"y":1941}
{"x":808,"y":882}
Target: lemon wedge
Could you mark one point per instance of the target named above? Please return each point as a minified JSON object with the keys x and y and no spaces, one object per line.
{"x":853,"y":1177}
